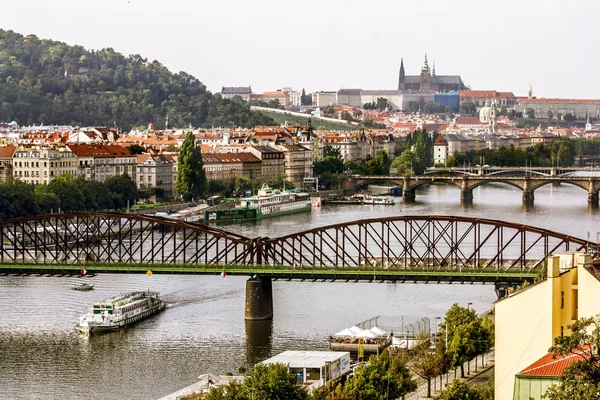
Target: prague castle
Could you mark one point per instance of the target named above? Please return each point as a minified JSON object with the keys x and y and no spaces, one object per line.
{"x":428,"y":80}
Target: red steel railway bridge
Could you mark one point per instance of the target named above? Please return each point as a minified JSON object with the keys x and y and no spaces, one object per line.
{"x":403,"y":248}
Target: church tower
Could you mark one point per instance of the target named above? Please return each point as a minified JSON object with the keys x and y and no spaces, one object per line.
{"x":402,"y":77}
{"x":425,"y":76}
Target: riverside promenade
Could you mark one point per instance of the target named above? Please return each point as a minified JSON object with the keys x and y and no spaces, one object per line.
{"x":478,"y":375}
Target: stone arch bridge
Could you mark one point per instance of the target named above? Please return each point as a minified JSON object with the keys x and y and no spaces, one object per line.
{"x":466,"y":184}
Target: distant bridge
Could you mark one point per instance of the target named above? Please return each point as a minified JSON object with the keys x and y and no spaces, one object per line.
{"x":486,"y":170}
{"x":403,"y":248}
{"x":527,"y":184}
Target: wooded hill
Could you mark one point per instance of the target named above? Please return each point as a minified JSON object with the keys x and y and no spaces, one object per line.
{"x":44,"y":81}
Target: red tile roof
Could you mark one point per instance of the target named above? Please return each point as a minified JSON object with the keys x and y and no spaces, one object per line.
{"x":7,"y":151}
{"x":440,"y":141}
{"x":550,"y":366}
{"x":468,"y":121}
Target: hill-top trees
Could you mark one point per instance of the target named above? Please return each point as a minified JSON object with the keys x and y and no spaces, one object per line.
{"x":43,"y":81}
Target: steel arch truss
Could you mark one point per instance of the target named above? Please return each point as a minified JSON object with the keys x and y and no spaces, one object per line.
{"x":117,"y":238}
{"x":429,"y":243}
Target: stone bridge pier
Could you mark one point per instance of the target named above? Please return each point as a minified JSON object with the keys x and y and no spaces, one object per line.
{"x":408,"y":193}
{"x":259,"y":299}
{"x":466,"y":193}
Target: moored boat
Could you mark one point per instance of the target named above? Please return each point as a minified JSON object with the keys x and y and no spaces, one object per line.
{"x":267,"y":203}
{"x":378,"y":200}
{"x":120,"y":311}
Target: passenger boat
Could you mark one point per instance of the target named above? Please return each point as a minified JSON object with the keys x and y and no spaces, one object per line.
{"x":120,"y":311}
{"x":83,"y":287}
{"x":267,"y":203}
{"x":378,"y":201}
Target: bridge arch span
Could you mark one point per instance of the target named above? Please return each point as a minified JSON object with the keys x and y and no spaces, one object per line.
{"x":428,"y":243}
{"x":516,"y":184}
{"x":580,"y":184}
{"x":117,"y":238}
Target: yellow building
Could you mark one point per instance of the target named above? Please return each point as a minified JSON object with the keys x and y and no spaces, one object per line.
{"x":528,"y":320}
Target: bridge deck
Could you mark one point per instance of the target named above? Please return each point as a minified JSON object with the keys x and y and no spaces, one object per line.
{"x":307,"y":273}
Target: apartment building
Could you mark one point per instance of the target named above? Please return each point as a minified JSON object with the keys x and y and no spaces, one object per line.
{"x":155,"y":171}
{"x":298,"y":163}
{"x":232,"y":165}
{"x":272,"y":161}
{"x":40,"y":165}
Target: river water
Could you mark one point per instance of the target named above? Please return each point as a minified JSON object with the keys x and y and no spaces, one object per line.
{"x":203,"y":330}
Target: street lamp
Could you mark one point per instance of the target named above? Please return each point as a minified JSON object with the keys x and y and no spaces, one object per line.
{"x":436,"y":326}
{"x":469,"y":306}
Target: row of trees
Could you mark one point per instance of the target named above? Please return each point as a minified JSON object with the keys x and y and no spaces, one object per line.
{"x":66,"y":193}
{"x":562,"y":153}
{"x":51,"y":82}
{"x":333,"y":164}
{"x":463,"y":336}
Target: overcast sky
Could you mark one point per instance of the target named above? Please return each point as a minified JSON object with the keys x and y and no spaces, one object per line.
{"x":330,"y":44}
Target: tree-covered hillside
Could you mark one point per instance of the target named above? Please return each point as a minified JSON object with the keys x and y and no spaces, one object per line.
{"x":43,"y":81}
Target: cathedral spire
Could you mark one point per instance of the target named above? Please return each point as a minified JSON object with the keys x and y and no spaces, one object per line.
{"x":401,"y":77}
{"x":426,"y":65}
{"x":433,"y":71}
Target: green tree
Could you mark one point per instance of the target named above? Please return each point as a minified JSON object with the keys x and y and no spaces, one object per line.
{"x":382,"y":103}
{"x":346,"y":115}
{"x":385,"y":376}
{"x":550,"y":116}
{"x":17,"y":199}
{"x":405,"y":163}
{"x":468,"y":108}
{"x":465,"y":335}
{"x":191,"y":177}
{"x":274,"y":382}
{"x":581,"y":380}
{"x":530,"y":112}
{"x":232,"y":391}
{"x":123,"y":190}
{"x":460,"y":390}
{"x":428,"y":363}
{"x":67,"y":188}
{"x":569,"y":117}
{"x":136,"y":149}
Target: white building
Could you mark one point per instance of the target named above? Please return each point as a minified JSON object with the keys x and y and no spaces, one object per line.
{"x":440,"y":150}
{"x":314,"y":368}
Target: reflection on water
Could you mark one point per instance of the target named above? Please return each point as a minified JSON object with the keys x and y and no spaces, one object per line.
{"x":203,"y":330}
{"x":259,"y":341}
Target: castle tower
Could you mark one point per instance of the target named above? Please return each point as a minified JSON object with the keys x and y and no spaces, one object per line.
{"x":402,"y":77}
{"x":530,"y":92}
{"x":425,"y":76}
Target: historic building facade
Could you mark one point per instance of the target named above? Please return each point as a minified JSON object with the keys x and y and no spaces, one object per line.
{"x":428,"y":80}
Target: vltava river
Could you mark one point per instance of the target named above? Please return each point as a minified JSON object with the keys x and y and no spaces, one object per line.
{"x":203,"y":330}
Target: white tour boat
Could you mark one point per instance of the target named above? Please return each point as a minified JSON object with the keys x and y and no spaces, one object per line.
{"x":117,"y":312}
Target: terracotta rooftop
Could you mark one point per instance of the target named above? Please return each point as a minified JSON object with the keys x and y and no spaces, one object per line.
{"x":550,"y":366}
{"x":440,"y":141}
{"x":7,"y":151}
{"x":468,"y":121}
